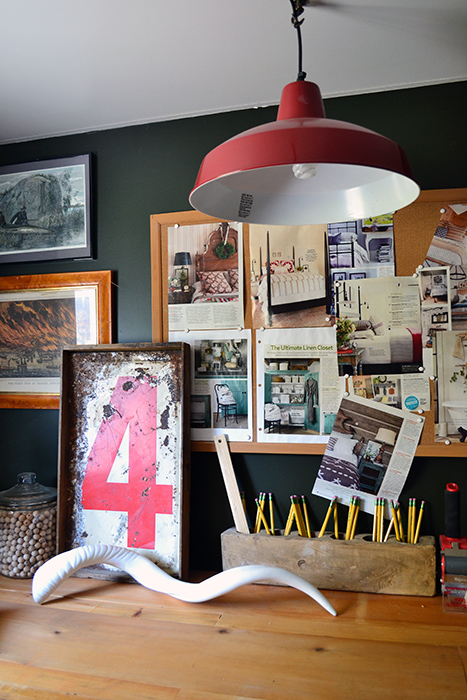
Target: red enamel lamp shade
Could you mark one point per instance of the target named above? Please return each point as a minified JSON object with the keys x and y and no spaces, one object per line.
{"x":303,"y":169}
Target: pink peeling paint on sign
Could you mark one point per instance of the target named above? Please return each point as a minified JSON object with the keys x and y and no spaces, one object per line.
{"x":133,"y":405}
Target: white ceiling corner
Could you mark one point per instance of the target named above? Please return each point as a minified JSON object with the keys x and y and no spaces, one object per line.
{"x":83,"y":65}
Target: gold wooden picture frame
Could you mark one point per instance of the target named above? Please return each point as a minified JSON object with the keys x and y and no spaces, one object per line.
{"x":39,"y":315}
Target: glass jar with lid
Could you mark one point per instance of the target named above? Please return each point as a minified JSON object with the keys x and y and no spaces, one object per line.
{"x":28,"y":519}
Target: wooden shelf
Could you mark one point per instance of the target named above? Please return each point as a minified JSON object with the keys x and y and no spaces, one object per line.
{"x":432,"y":450}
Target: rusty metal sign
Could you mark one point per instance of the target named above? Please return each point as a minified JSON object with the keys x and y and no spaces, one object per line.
{"x":123,"y":452}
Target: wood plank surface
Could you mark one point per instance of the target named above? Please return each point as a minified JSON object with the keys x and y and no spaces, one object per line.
{"x":96,"y":639}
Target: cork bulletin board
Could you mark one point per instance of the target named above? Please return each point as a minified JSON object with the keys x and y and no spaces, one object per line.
{"x":414,"y":227}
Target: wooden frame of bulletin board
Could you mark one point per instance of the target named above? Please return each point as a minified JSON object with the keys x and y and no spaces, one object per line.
{"x":414,"y":227}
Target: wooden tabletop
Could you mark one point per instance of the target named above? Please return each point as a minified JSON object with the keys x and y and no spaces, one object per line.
{"x":96,"y":639}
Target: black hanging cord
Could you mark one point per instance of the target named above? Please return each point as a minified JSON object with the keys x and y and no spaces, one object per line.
{"x":297,"y":10}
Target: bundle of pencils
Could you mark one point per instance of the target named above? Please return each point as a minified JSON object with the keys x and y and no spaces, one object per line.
{"x":354,"y":509}
{"x":299,"y":515}
{"x":260,"y":514}
{"x":395,"y":522}
{"x":413,"y":522}
{"x":378,"y":520}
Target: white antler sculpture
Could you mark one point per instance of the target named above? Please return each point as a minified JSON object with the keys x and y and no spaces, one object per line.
{"x":51,"y":574}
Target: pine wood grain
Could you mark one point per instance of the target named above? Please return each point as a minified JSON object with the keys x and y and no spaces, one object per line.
{"x":114,"y":641}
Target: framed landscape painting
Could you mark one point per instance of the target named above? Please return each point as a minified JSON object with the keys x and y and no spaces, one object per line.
{"x":39,"y":315}
{"x":45,"y":210}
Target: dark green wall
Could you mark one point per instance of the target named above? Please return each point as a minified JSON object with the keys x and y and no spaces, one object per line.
{"x":150,"y":169}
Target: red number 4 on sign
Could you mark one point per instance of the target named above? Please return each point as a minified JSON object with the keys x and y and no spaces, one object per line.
{"x":132,"y":409}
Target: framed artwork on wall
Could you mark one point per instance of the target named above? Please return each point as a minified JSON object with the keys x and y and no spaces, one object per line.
{"x":39,"y":315}
{"x":45,"y":210}
{"x":123,"y":474}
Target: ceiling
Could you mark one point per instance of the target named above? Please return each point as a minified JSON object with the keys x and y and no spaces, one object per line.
{"x":71,"y":66}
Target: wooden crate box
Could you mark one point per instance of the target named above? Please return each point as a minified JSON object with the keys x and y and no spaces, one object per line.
{"x":347,"y":565}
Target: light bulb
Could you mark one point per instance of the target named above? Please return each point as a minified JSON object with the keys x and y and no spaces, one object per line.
{"x":303,"y":171}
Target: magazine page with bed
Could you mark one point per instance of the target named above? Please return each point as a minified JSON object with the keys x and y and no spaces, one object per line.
{"x":385,"y":313}
{"x":360,"y":249}
{"x":369,"y":453}
{"x":289,"y":277}
{"x":205,"y":276}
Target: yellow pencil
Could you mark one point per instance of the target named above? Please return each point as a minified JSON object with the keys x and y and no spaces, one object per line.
{"x":388,"y":531}
{"x":299,"y":517}
{"x":295,"y":512}
{"x":382,"y":502}
{"x":394,"y":518}
{"x":409,"y":522}
{"x":257,"y":520}
{"x":271,"y":515}
{"x":354,"y":524}
{"x":328,"y":515}
{"x":419,"y":522}
{"x":290,"y":519}
{"x":307,"y":521}
{"x":350,"y":518}
{"x":378,"y":519}
{"x":261,"y":516}
{"x":336,"y":521}
{"x":262,"y":500}
{"x":399,"y":522}
{"x":375,"y":519}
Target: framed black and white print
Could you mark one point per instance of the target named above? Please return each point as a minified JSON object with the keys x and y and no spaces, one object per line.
{"x":45,"y":210}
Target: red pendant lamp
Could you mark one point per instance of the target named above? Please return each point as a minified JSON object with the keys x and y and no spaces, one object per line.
{"x":303,"y":168}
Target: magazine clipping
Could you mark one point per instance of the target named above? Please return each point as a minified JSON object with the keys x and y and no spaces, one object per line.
{"x":448,"y":248}
{"x":410,"y":392}
{"x":288,"y":277}
{"x":369,"y":453}
{"x":361,"y":249}
{"x":221,"y":383}
{"x":205,"y":276}
{"x":298,"y":390}
{"x":450,"y":358}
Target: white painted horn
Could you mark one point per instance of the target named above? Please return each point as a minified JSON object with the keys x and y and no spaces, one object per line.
{"x":51,"y":574}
